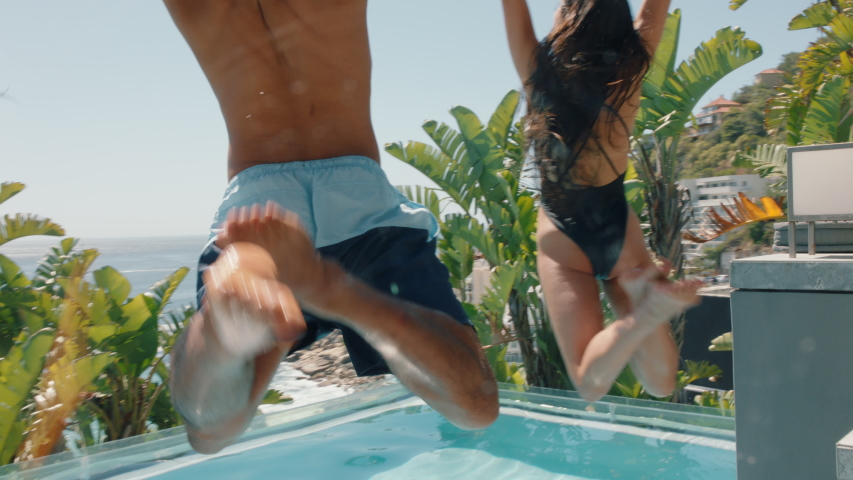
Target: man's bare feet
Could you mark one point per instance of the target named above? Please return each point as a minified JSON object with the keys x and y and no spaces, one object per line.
{"x":280,"y":233}
{"x":248,"y":308}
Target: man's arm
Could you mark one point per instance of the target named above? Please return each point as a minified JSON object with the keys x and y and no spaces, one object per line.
{"x":522,"y":38}
{"x":650,"y":22}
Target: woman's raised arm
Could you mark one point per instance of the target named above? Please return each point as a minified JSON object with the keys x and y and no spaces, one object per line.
{"x":522,"y":38}
{"x":650,"y":22}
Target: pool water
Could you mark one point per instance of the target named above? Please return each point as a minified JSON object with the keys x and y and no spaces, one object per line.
{"x":416,"y":442}
{"x":402,"y":438}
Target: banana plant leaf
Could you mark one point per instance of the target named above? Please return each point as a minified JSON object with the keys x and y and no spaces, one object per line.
{"x":10,"y":275}
{"x":723,"y":343}
{"x":9,"y":190}
{"x":823,"y":119}
{"x":275,"y":397}
{"x":60,"y":394}
{"x":113,"y":283}
{"x":821,"y":60}
{"x":736,"y":4}
{"x":818,"y":15}
{"x":667,"y":107}
{"x":21,"y":225}
{"x":423,"y":195}
{"x":19,"y":372}
{"x":160,"y":293}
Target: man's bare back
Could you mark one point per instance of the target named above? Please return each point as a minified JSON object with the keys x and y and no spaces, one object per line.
{"x":292,"y":76}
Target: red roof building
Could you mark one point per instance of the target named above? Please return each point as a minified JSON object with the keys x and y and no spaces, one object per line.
{"x":772,"y":77}
{"x":711,"y":117}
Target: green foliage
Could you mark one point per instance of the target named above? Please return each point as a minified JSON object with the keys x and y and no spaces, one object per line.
{"x":127,"y":395}
{"x":627,"y":385}
{"x":735,"y":4}
{"x":669,"y":95}
{"x":723,"y":343}
{"x":479,"y":168}
{"x":767,"y":160}
{"x":725,"y":402}
{"x":9,"y":190}
{"x":827,"y":119}
{"x":20,"y":369}
{"x":816,"y":108}
{"x":789,"y":63}
{"x":20,"y":225}
{"x":742,"y":130}
{"x":694,"y":371}
{"x":274,"y":397}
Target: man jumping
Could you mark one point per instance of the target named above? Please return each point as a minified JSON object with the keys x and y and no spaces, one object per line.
{"x":310,"y":235}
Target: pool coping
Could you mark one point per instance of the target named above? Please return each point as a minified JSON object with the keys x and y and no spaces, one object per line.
{"x":128,"y":457}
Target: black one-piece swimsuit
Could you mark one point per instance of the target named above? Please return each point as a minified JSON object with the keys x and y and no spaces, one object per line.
{"x":595,"y":218}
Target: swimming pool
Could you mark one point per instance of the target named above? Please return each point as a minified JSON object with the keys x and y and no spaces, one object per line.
{"x":386,"y":433}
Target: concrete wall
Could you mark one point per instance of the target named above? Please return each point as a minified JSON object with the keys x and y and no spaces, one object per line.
{"x":793,"y":331}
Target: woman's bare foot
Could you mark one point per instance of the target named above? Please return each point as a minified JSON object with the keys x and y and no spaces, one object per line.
{"x":248,"y":308}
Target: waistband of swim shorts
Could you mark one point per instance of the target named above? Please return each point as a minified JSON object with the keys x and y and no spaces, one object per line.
{"x":257,"y":172}
{"x":264,"y":182}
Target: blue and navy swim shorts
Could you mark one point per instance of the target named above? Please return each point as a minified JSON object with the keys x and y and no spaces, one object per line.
{"x":357,"y":219}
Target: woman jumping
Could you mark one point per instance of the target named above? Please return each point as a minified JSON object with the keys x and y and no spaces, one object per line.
{"x":583,"y":89}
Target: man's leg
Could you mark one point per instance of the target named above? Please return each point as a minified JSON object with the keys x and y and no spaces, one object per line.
{"x":216,"y":389}
{"x":437,"y":358}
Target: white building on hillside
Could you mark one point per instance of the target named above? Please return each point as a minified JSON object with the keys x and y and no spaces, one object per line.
{"x":710,"y":192}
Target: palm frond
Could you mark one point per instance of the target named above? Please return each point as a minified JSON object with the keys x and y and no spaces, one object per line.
{"x":767,"y":160}
{"x":743,"y":212}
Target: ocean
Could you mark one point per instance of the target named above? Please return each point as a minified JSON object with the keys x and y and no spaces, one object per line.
{"x":143,"y":261}
{"x":146,"y":260}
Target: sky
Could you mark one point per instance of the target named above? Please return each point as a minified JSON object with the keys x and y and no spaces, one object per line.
{"x":110,"y":123}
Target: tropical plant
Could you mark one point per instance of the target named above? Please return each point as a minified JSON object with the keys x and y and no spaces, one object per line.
{"x":23,"y":225}
{"x":724,"y":401}
{"x":479,"y":169}
{"x":816,"y":107}
{"x":669,"y":95}
{"x":767,"y":160}
{"x":627,"y":385}
{"x":79,"y":355}
{"x":723,"y":343}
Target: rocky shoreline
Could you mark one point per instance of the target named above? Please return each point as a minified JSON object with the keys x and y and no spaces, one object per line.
{"x":328,"y":363}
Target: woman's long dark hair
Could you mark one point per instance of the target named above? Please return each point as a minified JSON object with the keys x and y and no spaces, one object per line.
{"x":587,"y":67}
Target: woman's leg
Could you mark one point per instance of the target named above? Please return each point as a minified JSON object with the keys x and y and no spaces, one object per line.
{"x":595,"y":355}
{"x":655,"y":363}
